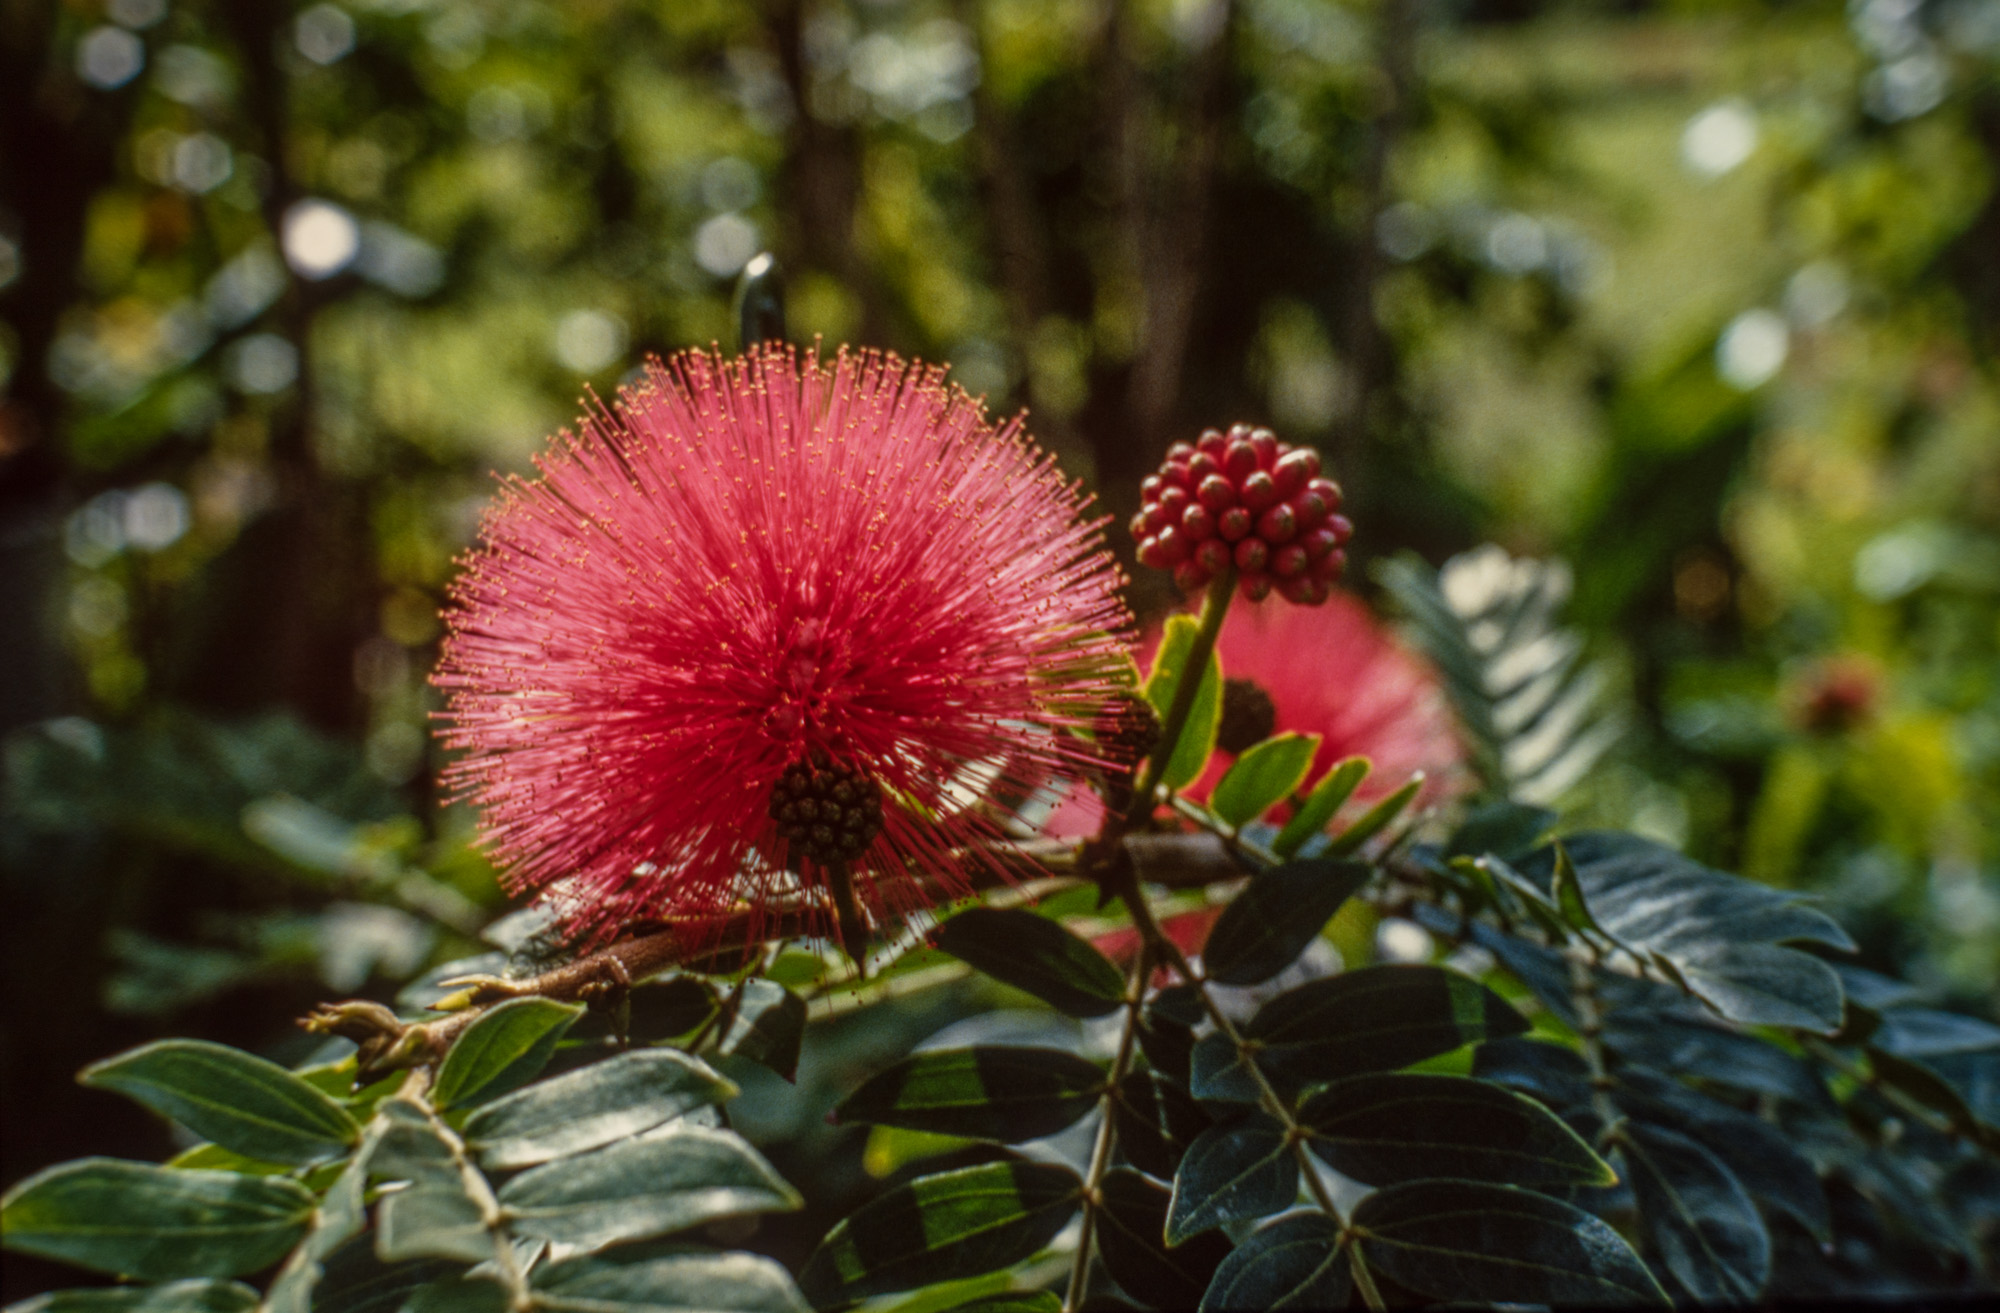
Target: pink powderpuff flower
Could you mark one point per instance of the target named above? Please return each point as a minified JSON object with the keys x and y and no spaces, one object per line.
{"x":1334,"y":671}
{"x":765,"y":626}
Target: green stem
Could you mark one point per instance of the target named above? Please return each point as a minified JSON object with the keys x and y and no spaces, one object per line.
{"x":520,"y":1298}
{"x":1154,"y":940}
{"x":1100,"y":1151}
{"x":1214,"y":606}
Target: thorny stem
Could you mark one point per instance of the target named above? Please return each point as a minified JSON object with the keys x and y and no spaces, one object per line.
{"x":1100,"y":1151}
{"x":1214,"y":606}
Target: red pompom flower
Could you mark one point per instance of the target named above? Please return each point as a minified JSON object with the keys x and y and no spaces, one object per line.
{"x":761,"y":629}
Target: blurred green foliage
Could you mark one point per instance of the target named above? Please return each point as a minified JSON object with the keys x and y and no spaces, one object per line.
{"x":1699,"y":297}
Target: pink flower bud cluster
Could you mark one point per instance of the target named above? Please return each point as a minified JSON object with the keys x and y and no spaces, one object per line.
{"x":1245,"y":499}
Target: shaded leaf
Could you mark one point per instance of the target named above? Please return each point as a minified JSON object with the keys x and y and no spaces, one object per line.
{"x":233,"y":1098}
{"x":1692,"y":1045}
{"x":1293,"y":1263}
{"x":1557,"y":1076}
{"x":138,"y":1219}
{"x":1034,"y":954}
{"x":502,"y":1051}
{"x":940,"y":1228}
{"x":1262,"y":777}
{"x":1156,"y":1121}
{"x":1696,"y":1215}
{"x":431,"y":1220}
{"x":1500,"y":829}
{"x":677,"y":1177}
{"x":1333,"y":789}
{"x":460,"y":1294}
{"x":1131,"y":1240}
{"x":694,"y":1281}
{"x":1469,"y":1240}
{"x":200,"y":1296}
{"x":355,"y":1280}
{"x":1722,"y":936}
{"x":1379,"y":1018}
{"x":1281,"y":910}
{"x":1220,"y":1071}
{"x":993,"y":1092}
{"x":768,"y":1026}
{"x":1241,"y":1168}
{"x":1390,"y":1127}
{"x":592,"y":1106}
{"x":1197,"y":741}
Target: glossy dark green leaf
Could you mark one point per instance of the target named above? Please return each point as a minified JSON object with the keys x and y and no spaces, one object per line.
{"x":466,"y":1293}
{"x":1262,"y":777}
{"x":1220,"y":1072}
{"x":1696,"y":1046}
{"x":693,"y":1281}
{"x":502,"y":1051}
{"x":1034,"y":954}
{"x":940,"y":1228}
{"x":1245,"y":1167}
{"x":233,"y":1098}
{"x":355,"y":1280}
{"x":768,"y":1027}
{"x":201,"y":1296}
{"x":670,"y":1007}
{"x":1723,"y":936}
{"x":431,"y":1220}
{"x":1556,"y":1076}
{"x":1012,"y":1301}
{"x":1479,"y":1242}
{"x":1501,"y":829}
{"x":1197,"y":741}
{"x":1131,"y":1240}
{"x":1393,"y":1126}
{"x":1696,"y":1215}
{"x":1379,"y":1018}
{"x":673,"y":1178}
{"x":1927,"y":1087}
{"x":1376,"y":819}
{"x":1156,"y":1121}
{"x":1281,"y":910}
{"x":1293,"y":1263}
{"x":991,"y":1092}
{"x":592,"y":1106}
{"x":137,"y":1219}
{"x":1929,"y":1033}
{"x":1757,"y":1153}
{"x":1333,"y":789}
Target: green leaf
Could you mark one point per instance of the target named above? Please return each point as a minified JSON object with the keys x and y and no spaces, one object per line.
{"x":1156,"y":1122}
{"x":768,"y":1026}
{"x":1334,"y":789}
{"x":431,"y":1220}
{"x":1696,"y":1215}
{"x":141,"y":1220}
{"x":1478,"y":1242}
{"x":1034,"y":954}
{"x":1568,"y":892}
{"x":1012,"y":1301}
{"x":201,"y":1296}
{"x":1379,"y":1018}
{"x":1386,"y":1127}
{"x":1293,"y":1263}
{"x":992,"y":1092}
{"x":1220,"y":1071}
{"x":1376,"y":819}
{"x":940,"y":1228}
{"x":1197,"y":741}
{"x":237,"y":1100}
{"x":1131,"y":1239}
{"x":1723,"y":936}
{"x":1281,"y":910}
{"x":502,"y":1051}
{"x":1499,"y":829}
{"x":676,"y":1177}
{"x":1926,"y":1086}
{"x":460,"y":1294}
{"x":356,"y":1281}
{"x":592,"y":1106}
{"x":1233,"y":1170}
{"x":1263,"y":776}
{"x":690,"y":1282}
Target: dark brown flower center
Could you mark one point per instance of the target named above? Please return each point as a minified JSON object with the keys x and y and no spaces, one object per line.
{"x":827,"y":810}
